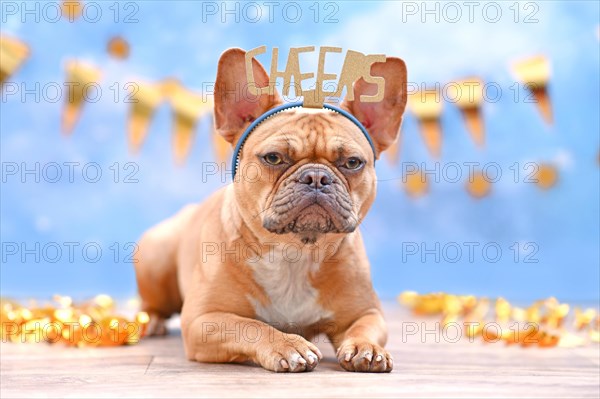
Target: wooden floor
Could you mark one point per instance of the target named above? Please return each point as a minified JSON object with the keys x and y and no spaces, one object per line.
{"x":157,"y":368}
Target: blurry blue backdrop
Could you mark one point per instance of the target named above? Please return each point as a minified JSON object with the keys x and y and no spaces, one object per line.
{"x":558,"y":227}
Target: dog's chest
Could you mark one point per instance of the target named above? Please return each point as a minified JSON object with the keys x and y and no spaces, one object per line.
{"x":293,"y":300}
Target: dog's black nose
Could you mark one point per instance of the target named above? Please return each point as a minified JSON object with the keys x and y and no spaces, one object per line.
{"x":316,"y":178}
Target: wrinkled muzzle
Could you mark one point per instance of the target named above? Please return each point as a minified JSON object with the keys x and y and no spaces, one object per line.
{"x":309,"y":202}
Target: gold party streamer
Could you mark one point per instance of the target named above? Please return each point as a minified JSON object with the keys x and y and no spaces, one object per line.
{"x":469,"y":97}
{"x":117,"y":47}
{"x":221,"y":146}
{"x":13,"y":54}
{"x":393,"y":152}
{"x":188,"y":107}
{"x":426,"y":105}
{"x":79,"y":77}
{"x":71,"y":9}
{"x":146,"y":98}
{"x":546,"y":176}
{"x":535,"y":73}
{"x":416,"y":184}
{"x":478,"y":185}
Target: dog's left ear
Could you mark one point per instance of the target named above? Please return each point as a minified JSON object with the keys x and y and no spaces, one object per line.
{"x":381,"y":119}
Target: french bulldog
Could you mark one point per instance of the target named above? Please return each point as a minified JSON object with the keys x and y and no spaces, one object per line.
{"x":276,"y":258}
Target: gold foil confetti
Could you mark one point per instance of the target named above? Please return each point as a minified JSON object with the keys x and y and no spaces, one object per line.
{"x":584,"y":318}
{"x":469,"y":304}
{"x":542,"y":324}
{"x":90,"y":324}
{"x":452,"y":305}
{"x":492,"y":335}
{"x":519,"y":314}
{"x":547,"y":340}
{"x":570,"y":340}
{"x":533,"y":313}
{"x":556,"y":315}
{"x":503,"y":310}
{"x":473,"y":329}
{"x":448,"y":319}
{"x":408,"y":298}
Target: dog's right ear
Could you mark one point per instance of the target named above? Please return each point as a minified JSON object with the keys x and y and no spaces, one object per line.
{"x":235,"y":106}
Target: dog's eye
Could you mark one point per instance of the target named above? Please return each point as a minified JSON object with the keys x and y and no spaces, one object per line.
{"x":273,"y":158}
{"x":353,"y":163}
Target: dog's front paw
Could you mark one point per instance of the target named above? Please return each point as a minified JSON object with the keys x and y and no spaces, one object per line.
{"x":365,"y":357}
{"x":288,"y":353}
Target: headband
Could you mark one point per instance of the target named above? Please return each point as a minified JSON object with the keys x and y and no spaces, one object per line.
{"x":238,"y":148}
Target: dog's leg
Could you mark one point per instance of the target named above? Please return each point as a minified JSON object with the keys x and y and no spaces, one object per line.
{"x":156,"y":275}
{"x":360,"y":346}
{"x":225,"y":337}
{"x":157,"y":326}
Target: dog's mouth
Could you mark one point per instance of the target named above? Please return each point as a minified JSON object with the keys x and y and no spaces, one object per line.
{"x":310,"y":213}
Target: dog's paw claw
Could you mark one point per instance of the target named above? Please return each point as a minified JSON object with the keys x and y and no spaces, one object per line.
{"x":157,"y":326}
{"x":292,"y":354}
{"x":364,"y":357}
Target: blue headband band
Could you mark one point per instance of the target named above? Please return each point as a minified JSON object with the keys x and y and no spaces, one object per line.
{"x":236,"y":152}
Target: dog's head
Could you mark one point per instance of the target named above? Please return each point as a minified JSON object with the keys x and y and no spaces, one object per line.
{"x":306,"y":171}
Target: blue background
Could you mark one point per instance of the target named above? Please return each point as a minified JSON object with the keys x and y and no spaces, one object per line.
{"x":170,"y":39}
